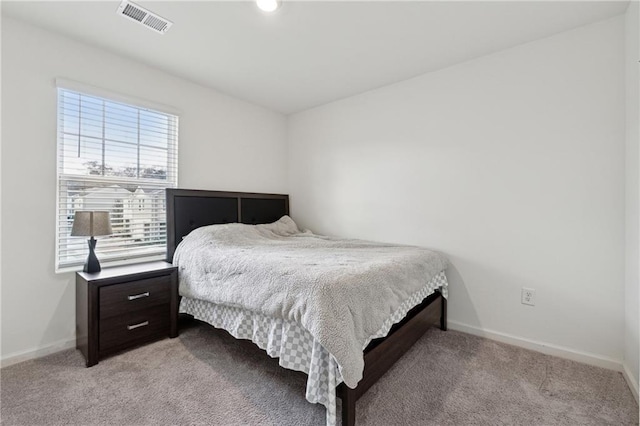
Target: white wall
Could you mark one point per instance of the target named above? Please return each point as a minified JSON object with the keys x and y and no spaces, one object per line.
{"x":225,"y":144}
{"x":511,"y":164}
{"x":632,"y":193}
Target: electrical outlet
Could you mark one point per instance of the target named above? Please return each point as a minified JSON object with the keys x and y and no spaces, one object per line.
{"x":528,"y":296}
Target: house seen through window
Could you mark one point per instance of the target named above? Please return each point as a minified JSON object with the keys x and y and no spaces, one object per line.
{"x":119,"y":158}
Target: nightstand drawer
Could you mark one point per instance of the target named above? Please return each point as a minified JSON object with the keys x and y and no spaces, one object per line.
{"x":134,"y":327}
{"x":124,"y":298}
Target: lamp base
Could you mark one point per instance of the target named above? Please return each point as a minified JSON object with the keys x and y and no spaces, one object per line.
{"x":92,"y":265}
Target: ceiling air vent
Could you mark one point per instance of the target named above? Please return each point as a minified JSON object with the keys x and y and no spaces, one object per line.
{"x":144,"y":17}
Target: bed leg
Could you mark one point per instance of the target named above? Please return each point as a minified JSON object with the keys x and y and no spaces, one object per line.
{"x":348,"y":397}
{"x":443,"y":315}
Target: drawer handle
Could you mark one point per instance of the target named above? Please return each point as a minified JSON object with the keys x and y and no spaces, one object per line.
{"x":138,"y":296}
{"x":134,"y":326}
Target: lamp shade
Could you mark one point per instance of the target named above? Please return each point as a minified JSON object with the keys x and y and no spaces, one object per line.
{"x":91,"y":224}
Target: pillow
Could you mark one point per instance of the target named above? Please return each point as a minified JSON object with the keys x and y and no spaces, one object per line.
{"x":285,"y":226}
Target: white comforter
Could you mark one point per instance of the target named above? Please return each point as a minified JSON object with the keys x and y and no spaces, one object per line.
{"x":340,"y":290}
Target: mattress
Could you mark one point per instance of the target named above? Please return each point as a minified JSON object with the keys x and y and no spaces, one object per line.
{"x":293,"y":345}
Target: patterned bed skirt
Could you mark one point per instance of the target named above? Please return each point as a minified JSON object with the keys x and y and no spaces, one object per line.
{"x":293,"y":345}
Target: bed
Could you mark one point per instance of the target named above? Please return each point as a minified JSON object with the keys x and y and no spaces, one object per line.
{"x":298,"y":344}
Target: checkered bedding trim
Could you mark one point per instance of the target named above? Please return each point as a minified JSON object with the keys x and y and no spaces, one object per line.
{"x":293,"y":345}
{"x":439,"y":282}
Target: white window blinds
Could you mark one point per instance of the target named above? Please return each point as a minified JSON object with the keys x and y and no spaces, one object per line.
{"x":119,"y":158}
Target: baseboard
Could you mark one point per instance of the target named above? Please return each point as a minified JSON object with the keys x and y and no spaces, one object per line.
{"x":631,"y":380}
{"x":545,"y":348}
{"x":58,"y":346}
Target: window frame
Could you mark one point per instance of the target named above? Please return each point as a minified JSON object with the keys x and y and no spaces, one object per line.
{"x":170,"y":182}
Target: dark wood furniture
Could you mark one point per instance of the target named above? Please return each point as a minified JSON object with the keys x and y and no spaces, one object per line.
{"x":189,"y":209}
{"x":121,"y":307}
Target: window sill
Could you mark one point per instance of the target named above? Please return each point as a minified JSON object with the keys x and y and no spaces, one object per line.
{"x":108,"y":264}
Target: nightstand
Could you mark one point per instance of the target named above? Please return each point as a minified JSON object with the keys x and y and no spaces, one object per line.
{"x":121,"y":307}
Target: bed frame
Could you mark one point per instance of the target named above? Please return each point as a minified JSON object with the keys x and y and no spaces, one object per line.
{"x":189,"y":209}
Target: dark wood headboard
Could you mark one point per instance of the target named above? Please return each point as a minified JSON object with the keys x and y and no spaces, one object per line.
{"x":188,"y":209}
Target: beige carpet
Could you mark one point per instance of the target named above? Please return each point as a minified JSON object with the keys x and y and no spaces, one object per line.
{"x":205,"y":377}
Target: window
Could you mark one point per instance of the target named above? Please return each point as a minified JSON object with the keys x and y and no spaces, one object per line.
{"x":116,"y":157}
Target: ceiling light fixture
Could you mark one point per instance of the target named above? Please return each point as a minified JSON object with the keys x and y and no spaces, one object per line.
{"x":268,"y":5}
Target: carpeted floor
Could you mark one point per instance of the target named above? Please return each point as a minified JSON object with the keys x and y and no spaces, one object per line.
{"x":205,"y":377}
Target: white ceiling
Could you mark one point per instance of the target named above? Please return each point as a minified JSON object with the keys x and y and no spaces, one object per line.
{"x":310,"y":53}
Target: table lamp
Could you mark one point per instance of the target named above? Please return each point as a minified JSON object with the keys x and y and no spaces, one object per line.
{"x":91,"y":224}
